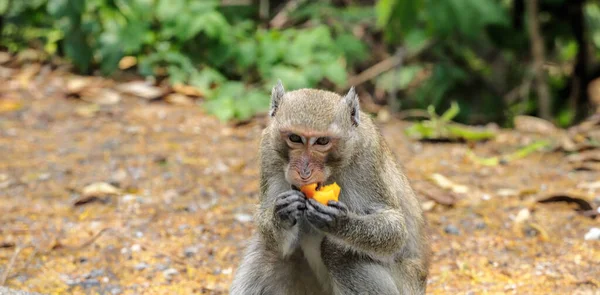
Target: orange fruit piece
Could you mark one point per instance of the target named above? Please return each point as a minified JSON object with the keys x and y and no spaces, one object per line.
{"x":325,"y":194}
{"x":309,"y":190}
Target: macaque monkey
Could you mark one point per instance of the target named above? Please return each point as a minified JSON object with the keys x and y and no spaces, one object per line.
{"x":372,"y":241}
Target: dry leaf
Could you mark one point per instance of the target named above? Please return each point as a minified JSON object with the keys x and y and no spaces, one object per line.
{"x":28,"y":72}
{"x":100,"y":189}
{"x":187,"y":90}
{"x":580,"y":200}
{"x":434,"y":193}
{"x":446,"y":183}
{"x":585,"y":156}
{"x":76,"y":84}
{"x":179,"y":99}
{"x":103,"y":97}
{"x":589,"y":185}
{"x":87,"y":111}
{"x":9,"y":106}
{"x":141,"y":89}
{"x":4,"y":57}
{"x":127,"y":62}
{"x":534,"y":125}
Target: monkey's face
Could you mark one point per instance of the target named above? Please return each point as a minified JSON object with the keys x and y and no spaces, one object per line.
{"x":308,"y":154}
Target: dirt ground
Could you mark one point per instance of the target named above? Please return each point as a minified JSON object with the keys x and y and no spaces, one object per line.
{"x":141,"y":197}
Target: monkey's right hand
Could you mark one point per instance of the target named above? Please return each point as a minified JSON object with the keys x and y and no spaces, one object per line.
{"x":289,"y":206}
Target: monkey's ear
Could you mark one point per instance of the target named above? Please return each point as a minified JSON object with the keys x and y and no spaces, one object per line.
{"x":351,"y":100}
{"x":276,"y":95}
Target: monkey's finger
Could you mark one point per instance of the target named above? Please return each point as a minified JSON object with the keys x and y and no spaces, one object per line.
{"x":291,"y":209}
{"x":324,"y":209}
{"x":338,"y":205}
{"x":298,"y":205}
{"x":315,"y":216}
{"x":285,"y":201}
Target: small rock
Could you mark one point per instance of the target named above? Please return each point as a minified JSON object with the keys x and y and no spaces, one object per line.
{"x":115,"y":290}
{"x":95,"y":273}
{"x":128,"y":198}
{"x":141,"y":266}
{"x":507,"y":192}
{"x":452,"y":230}
{"x":593,"y":234}
{"x":190,"y":251}
{"x":20,"y":278}
{"x":530,"y":231}
{"x":427,"y":206}
{"x":136,"y":248}
{"x":44,"y":176}
{"x":480,"y":225}
{"x":523,"y":215}
{"x":139,"y":234}
{"x":119,"y":176}
{"x":169,"y":273}
{"x":68,"y":280}
{"x":5,"y":181}
{"x":161,"y":267}
{"x":243,"y":217}
{"x":170,"y":195}
{"x":89,"y":283}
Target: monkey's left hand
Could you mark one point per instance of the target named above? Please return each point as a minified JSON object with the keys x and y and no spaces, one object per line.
{"x":326,"y":217}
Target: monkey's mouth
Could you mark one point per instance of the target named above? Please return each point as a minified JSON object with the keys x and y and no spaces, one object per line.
{"x":319,"y":186}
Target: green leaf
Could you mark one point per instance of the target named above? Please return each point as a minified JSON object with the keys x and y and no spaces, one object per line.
{"x":224,"y":109}
{"x":336,"y":73}
{"x":205,"y":79}
{"x":294,"y":78}
{"x":4,"y":5}
{"x":247,"y":53}
{"x":384,"y":9}
{"x":415,"y":40}
{"x":398,"y":79}
{"x":451,"y":112}
{"x":353,"y":48}
{"x":77,"y":49}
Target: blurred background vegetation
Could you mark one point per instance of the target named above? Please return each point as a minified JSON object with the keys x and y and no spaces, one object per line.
{"x":495,"y":59}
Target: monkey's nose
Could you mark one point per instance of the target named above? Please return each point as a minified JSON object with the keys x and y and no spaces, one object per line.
{"x":305,"y":174}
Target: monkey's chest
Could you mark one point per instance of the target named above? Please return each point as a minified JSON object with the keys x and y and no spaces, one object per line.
{"x":310,"y":245}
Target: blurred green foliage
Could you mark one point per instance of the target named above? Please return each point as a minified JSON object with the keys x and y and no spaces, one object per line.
{"x":479,"y":54}
{"x":221,"y":50}
{"x":467,"y":51}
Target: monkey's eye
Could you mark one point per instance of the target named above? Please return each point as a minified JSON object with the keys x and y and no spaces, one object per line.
{"x":295,"y":138}
{"x":322,"y":140}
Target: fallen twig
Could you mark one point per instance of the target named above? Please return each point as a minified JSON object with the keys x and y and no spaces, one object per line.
{"x":385,"y":65}
{"x":281,"y":17}
{"x":11,"y":263}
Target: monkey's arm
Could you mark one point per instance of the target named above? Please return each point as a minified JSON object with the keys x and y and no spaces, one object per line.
{"x":380,"y":234}
{"x":277,"y":217}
